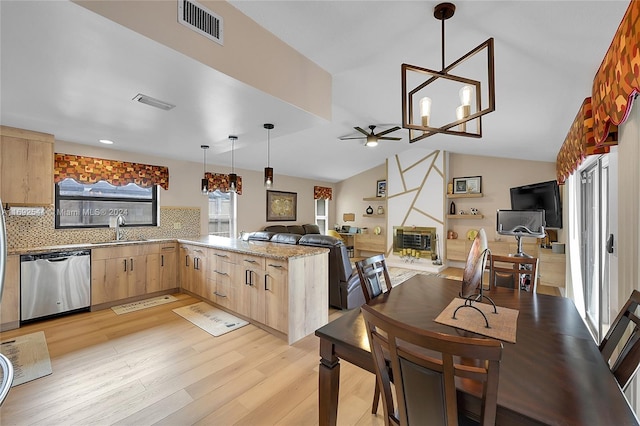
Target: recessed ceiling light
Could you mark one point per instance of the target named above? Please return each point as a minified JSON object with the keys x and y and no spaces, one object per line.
{"x":106,"y":141}
{"x":153,"y":102}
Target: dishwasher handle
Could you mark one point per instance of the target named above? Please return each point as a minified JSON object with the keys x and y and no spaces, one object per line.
{"x":58,"y":259}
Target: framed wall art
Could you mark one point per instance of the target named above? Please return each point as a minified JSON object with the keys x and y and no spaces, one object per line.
{"x":281,"y":206}
{"x":381,"y":188}
{"x":467,"y":185}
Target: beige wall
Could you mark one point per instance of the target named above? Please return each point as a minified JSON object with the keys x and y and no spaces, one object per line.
{"x":350,"y":194}
{"x":498,"y":176}
{"x":184,"y":179}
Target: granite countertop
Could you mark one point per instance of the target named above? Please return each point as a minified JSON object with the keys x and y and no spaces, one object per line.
{"x":258,"y":248}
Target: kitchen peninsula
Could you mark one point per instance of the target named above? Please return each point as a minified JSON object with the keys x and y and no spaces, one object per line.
{"x":281,"y":288}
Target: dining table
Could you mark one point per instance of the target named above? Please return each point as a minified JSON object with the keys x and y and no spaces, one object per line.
{"x":553,"y":374}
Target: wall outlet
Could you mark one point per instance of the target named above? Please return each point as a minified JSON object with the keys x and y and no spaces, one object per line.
{"x":177,"y":225}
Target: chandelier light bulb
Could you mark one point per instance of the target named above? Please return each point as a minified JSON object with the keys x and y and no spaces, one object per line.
{"x":465,"y":95}
{"x":425,"y":110}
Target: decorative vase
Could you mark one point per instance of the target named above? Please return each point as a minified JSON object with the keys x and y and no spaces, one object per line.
{"x":380,"y":210}
{"x":369,"y":210}
{"x":452,"y":208}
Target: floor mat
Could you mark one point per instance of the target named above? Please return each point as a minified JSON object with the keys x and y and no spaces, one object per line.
{"x":29,"y":355}
{"x":212,"y":320}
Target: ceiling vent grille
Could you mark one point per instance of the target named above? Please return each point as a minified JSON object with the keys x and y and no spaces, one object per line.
{"x":201,"y":20}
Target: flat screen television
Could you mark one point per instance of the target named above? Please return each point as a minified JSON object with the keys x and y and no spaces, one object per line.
{"x":543,"y":195}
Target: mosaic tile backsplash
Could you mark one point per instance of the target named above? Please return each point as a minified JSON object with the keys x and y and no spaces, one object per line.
{"x":39,"y":231}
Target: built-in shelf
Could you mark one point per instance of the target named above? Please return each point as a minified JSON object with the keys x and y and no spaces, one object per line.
{"x":466,"y":195}
{"x":373,"y":215}
{"x":465,"y":216}
{"x":376,"y":199}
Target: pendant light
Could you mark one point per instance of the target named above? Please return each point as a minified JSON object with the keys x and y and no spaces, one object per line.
{"x":233,"y":178}
{"x":268,"y":171}
{"x":204,"y":183}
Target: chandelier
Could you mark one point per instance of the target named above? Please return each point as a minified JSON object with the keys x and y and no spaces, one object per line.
{"x":430,"y":98}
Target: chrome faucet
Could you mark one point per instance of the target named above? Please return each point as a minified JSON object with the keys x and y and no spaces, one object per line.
{"x":119,"y":222}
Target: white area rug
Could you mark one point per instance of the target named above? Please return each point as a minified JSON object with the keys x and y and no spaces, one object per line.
{"x":212,"y":320}
{"x":143,"y":304}
{"x":29,"y":355}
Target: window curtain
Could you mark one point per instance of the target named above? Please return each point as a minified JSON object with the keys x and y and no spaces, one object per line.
{"x":117,"y":173}
{"x":322,"y":193}
{"x":580,"y":143}
{"x":618,"y":78}
{"x":221,"y":181}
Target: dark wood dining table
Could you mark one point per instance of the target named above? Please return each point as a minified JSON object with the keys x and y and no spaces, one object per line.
{"x":553,"y":374}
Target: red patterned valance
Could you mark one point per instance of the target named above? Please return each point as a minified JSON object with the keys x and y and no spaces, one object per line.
{"x":580,"y":142}
{"x":117,"y":173}
{"x":322,"y":193}
{"x":618,"y":78}
{"x":221,"y":181}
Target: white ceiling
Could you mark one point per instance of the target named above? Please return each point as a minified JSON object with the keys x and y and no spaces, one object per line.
{"x":70,"y":72}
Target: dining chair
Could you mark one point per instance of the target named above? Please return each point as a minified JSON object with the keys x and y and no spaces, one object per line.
{"x":628,"y":359}
{"x":372,"y":271}
{"x":506,"y":271}
{"x":424,"y":383}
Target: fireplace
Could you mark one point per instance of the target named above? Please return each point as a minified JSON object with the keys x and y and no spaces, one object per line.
{"x":420,"y":239}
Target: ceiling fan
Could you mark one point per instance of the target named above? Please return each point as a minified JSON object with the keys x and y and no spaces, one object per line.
{"x":373,"y":138}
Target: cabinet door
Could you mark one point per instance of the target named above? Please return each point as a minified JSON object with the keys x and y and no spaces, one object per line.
{"x":10,"y":307}
{"x":27,"y":167}
{"x":136,"y":275}
{"x":109,"y":280}
{"x":168,"y":257}
{"x":252,"y":275}
{"x":185,"y":263}
{"x":276,"y":295}
{"x":457,"y":250}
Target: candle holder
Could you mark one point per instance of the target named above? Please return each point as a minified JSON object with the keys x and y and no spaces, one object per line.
{"x":409,"y":255}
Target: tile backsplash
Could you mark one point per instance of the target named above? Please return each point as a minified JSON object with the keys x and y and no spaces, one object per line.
{"x":39,"y":231}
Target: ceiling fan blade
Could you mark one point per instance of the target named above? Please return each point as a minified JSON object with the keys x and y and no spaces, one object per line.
{"x":346,"y":139}
{"x":384,"y":132}
{"x":361,"y":131}
{"x":388,"y":138}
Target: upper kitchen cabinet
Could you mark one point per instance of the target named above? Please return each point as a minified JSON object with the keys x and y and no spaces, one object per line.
{"x":26,"y":167}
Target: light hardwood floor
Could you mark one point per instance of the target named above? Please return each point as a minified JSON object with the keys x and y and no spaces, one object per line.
{"x":154,"y":367}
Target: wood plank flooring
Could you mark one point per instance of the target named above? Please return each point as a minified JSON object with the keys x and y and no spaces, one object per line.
{"x":152,"y":367}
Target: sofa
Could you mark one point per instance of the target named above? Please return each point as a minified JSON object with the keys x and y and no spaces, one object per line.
{"x":345,"y":291}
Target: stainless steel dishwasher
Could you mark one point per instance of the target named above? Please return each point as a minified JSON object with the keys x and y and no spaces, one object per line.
{"x":54,"y":283}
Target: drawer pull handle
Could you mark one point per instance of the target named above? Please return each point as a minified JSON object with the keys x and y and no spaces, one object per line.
{"x":221,"y":255}
{"x":250,"y":261}
{"x":219,"y":294}
{"x":221,"y":273}
{"x":275,"y":266}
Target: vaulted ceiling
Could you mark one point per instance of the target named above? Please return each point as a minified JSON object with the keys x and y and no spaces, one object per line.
{"x":68,"y":71}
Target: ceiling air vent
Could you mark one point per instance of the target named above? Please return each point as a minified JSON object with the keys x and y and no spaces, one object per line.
{"x":201,"y":20}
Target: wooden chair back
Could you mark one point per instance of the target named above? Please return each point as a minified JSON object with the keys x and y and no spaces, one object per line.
{"x":626,"y":364}
{"x":505,"y":271}
{"x":374,"y":276}
{"x":425,"y":381}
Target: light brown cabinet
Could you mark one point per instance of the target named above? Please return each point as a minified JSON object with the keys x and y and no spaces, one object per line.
{"x":193,"y":267}
{"x":551,"y":266}
{"x":250,"y":271}
{"x":276,"y":294}
{"x":118,"y":273}
{"x":222,"y":287}
{"x":161,"y":267}
{"x":10,"y":307}
{"x":26,"y":168}
{"x":366,"y":245}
